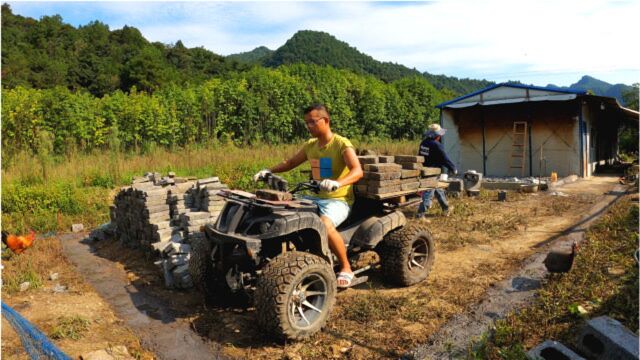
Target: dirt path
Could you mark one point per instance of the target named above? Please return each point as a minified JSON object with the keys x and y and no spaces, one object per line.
{"x":452,"y":340}
{"x":480,"y":246}
{"x":159,"y":327}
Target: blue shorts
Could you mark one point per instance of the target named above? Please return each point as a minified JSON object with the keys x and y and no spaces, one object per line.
{"x":336,"y":210}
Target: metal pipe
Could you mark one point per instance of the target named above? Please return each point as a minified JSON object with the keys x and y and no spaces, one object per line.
{"x":484,"y":155}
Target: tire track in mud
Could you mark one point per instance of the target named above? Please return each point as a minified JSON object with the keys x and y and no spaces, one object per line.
{"x":451,"y":341}
{"x":157,"y":326}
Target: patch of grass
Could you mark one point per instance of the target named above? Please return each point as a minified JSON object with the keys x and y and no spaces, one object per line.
{"x":374,"y":306}
{"x":75,"y":188}
{"x":27,"y":272}
{"x":33,"y":265}
{"x":591,"y":285}
{"x":70,"y":327}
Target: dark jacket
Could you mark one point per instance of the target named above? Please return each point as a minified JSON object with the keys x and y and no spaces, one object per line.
{"x":434,"y":155}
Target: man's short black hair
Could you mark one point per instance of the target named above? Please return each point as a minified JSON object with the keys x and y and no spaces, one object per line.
{"x":316,"y":106}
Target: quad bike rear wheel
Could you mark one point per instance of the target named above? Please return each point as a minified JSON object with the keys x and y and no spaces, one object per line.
{"x":295,"y":295}
{"x":407,"y":254}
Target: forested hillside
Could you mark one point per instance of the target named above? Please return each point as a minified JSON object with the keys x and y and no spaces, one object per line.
{"x":315,"y":47}
{"x":47,"y":53}
{"x":599,"y":87}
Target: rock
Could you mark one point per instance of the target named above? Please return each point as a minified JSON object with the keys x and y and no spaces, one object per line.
{"x":77,"y":228}
{"x":97,"y":355}
{"x":292,"y":356}
{"x":120,"y":352}
{"x":53,"y":276}
{"x":25,"y":286}
{"x":59,"y":288}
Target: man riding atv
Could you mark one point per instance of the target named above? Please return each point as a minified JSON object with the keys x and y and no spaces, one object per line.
{"x":275,"y":246}
{"x":335,"y":165}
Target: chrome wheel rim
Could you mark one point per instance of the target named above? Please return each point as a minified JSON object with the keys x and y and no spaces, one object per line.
{"x":308,"y":301}
{"x":419,"y":255}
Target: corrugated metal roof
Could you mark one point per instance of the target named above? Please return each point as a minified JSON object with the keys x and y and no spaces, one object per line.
{"x":541,"y":97}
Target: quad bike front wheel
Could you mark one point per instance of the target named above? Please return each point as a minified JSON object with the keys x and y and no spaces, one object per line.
{"x":407,"y":254}
{"x":295,"y":295}
{"x":199,"y":262}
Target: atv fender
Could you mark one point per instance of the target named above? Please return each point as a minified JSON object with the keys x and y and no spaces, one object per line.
{"x":373,"y":230}
{"x":311,"y":229}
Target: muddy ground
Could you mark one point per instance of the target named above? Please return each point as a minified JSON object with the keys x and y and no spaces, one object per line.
{"x":482,"y":243}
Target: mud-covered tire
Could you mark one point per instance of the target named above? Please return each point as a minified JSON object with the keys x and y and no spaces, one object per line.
{"x":284,"y":284}
{"x":407,"y":254}
{"x":200,"y":262}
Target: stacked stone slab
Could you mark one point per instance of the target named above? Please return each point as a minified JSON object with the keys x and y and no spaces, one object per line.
{"x":386,"y":175}
{"x":141,"y":213}
{"x":164,"y":214}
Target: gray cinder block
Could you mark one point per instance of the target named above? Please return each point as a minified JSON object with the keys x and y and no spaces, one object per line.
{"x":552,"y":350}
{"x":606,"y":338}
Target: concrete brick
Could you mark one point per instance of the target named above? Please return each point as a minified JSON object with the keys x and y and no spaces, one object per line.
{"x":160,"y":225}
{"x":273,"y":195}
{"x":210,"y":180}
{"x":410,"y":186}
{"x":215,"y":187}
{"x":157,"y":208}
{"x":383,"y":183}
{"x":552,"y":350}
{"x":157,"y":217}
{"x":606,"y":338}
{"x":409,"y":173}
{"x":382,"y":176}
{"x":411,"y":166}
{"x":179,"y":259}
{"x":429,"y":171}
{"x":368,"y":159}
{"x":429,"y":182}
{"x":168,"y":277}
{"x":176,"y":248}
{"x":383,"y":190}
{"x":197,"y":215}
{"x":77,"y":227}
{"x":455,"y":185}
{"x":409,"y":159}
{"x":383,"y":168}
{"x":386,"y":159}
{"x":181,"y":271}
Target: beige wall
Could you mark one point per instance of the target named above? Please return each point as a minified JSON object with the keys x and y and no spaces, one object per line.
{"x":554,"y":129}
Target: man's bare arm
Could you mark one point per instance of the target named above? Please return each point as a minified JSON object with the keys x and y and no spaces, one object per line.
{"x":355,"y":170}
{"x":291,"y":163}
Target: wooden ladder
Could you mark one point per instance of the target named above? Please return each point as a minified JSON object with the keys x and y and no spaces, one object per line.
{"x":518,"y":147}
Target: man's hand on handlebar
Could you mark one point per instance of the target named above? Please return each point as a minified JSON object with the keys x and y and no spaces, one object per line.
{"x":261,"y":175}
{"x":329,"y":185}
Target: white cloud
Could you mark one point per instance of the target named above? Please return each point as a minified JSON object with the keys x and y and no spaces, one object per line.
{"x":541,"y":40}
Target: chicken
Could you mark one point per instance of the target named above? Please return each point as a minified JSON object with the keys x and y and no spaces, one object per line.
{"x":561,"y":262}
{"x":18,"y":243}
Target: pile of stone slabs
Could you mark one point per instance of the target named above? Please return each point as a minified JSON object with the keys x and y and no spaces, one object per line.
{"x":163,"y":215}
{"x":394,"y":176}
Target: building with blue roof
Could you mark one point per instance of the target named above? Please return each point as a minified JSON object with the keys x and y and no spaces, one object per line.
{"x":520,"y":130}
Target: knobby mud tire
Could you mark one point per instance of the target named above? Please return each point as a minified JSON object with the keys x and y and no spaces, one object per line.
{"x":199,"y":262}
{"x":399,"y":247}
{"x":274,"y":295}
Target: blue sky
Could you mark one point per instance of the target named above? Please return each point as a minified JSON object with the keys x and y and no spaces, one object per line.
{"x":534,"y":41}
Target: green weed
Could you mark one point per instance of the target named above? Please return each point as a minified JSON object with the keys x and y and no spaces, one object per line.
{"x":70,"y":327}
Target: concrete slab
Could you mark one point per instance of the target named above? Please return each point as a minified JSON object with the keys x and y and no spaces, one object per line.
{"x":606,"y":338}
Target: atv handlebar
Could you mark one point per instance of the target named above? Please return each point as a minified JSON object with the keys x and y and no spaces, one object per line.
{"x":276,"y":182}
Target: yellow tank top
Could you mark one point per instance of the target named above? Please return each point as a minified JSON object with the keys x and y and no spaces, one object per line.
{"x":327,"y":162}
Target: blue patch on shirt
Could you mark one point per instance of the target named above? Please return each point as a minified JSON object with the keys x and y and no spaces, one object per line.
{"x":325,"y":168}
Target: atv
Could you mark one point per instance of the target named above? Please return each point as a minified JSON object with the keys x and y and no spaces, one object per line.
{"x":275,"y":251}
